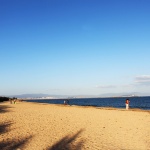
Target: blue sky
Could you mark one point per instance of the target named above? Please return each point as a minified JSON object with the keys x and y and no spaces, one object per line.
{"x":74,"y":47}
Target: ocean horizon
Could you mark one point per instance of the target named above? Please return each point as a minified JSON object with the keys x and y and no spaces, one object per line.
{"x":115,"y":102}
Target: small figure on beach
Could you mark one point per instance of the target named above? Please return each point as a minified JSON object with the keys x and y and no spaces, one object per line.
{"x":66,"y":102}
{"x":14,"y":101}
{"x":10,"y":101}
{"x":127,"y":104}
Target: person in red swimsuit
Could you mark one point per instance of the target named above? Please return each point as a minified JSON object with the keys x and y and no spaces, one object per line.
{"x":127,"y":104}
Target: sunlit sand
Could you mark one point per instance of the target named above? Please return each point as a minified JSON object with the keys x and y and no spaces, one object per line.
{"x":34,"y":126}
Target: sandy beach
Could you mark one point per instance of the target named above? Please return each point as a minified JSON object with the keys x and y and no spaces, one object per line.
{"x":34,"y":126}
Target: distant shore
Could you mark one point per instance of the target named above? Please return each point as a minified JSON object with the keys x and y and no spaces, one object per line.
{"x":39,"y":126}
{"x":78,"y":97}
{"x":142,"y":103}
{"x":88,"y":106}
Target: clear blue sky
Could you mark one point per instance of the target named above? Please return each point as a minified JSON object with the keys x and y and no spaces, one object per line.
{"x":74,"y":46}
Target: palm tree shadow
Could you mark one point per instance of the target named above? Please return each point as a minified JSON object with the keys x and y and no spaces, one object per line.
{"x":14,"y":144}
{"x":66,"y":143}
{"x":10,"y":144}
{"x":4,"y":109}
{"x":4,"y":127}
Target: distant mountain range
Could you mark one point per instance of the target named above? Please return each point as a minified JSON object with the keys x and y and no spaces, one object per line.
{"x":40,"y":95}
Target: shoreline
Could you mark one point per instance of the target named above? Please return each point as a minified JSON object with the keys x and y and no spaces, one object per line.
{"x":96,"y":107}
{"x":31,"y":125}
{"x":136,"y":103}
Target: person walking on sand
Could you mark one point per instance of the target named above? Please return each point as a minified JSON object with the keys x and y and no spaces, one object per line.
{"x":127,"y":104}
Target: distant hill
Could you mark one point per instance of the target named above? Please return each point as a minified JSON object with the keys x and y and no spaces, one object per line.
{"x":41,"y":95}
{"x":120,"y":94}
{"x":124,"y":94}
{"x":30,"y":95}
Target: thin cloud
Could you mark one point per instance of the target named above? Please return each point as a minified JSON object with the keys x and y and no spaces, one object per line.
{"x":143,"y":79}
{"x":127,"y":85}
{"x":106,"y":86}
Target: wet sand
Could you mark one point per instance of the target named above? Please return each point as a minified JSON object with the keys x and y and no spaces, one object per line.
{"x":34,"y":126}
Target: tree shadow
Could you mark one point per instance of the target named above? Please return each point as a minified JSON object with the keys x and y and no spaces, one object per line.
{"x":66,"y":143}
{"x":10,"y":143}
{"x":4,"y":127}
{"x":14,"y":144}
{"x":4,"y":109}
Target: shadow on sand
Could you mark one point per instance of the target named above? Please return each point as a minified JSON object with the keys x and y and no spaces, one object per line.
{"x":4,"y":109}
{"x":68,"y":143}
{"x":4,"y":127}
{"x":14,"y":144}
{"x":10,"y":144}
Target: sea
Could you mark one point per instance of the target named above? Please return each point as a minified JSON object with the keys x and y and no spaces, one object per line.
{"x":115,"y":102}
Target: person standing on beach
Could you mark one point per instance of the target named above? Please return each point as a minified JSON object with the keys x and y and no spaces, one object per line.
{"x":127,"y":104}
{"x":64,"y":102}
{"x":67,"y":101}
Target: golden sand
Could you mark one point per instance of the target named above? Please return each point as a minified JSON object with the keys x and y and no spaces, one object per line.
{"x":34,"y":126}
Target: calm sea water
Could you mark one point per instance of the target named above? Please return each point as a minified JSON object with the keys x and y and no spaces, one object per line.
{"x":135,"y":102}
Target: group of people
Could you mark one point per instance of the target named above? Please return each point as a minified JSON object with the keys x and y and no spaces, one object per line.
{"x":12,"y":101}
